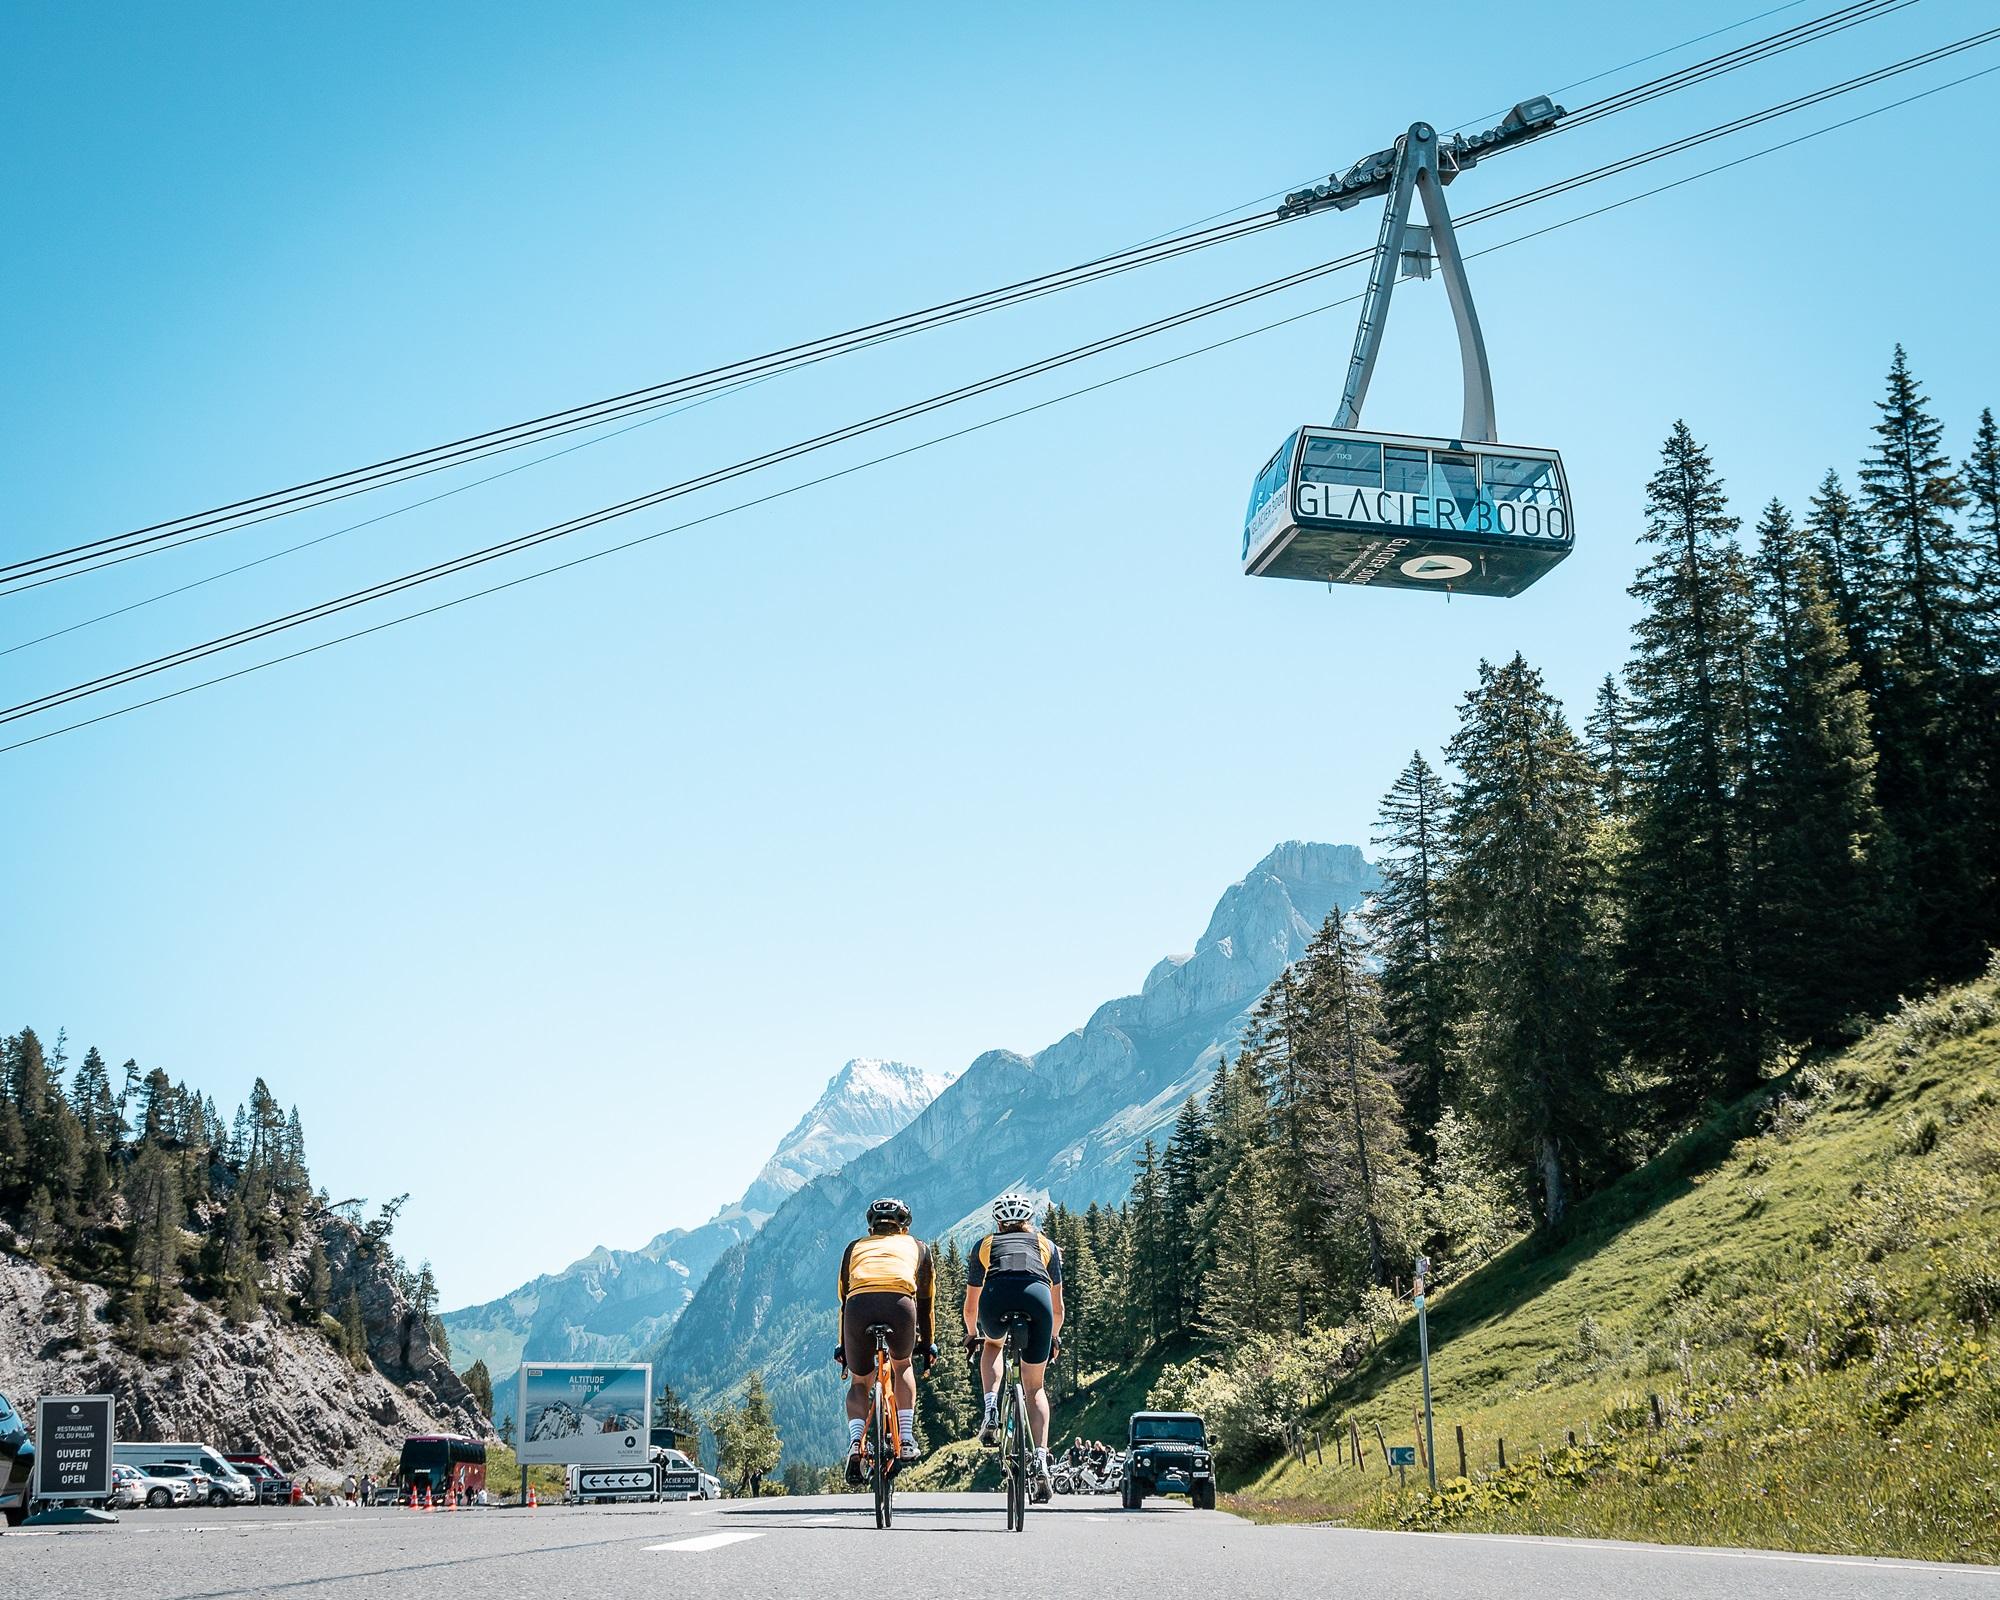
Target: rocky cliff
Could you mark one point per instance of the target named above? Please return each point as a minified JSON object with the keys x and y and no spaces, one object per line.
{"x":614,"y":1304}
{"x":271,"y":1384}
{"x":1064,"y":1123}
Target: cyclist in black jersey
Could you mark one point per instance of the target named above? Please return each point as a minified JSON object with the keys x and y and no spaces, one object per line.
{"x":1016,"y":1270}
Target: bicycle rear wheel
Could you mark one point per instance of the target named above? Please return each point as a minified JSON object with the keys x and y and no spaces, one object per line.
{"x":878,"y":1448}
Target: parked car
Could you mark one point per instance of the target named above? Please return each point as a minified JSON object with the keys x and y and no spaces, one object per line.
{"x":17,"y":1465}
{"x":225,"y":1485}
{"x":711,"y":1486}
{"x":274,"y":1487}
{"x":131,"y":1487}
{"x":199,"y":1485}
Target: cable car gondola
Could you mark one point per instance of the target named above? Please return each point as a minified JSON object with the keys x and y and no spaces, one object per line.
{"x":1466,"y":514}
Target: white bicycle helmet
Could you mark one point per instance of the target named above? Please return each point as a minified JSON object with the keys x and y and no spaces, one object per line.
{"x":1013,"y":1208}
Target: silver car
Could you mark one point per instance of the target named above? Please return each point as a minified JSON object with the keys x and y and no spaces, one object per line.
{"x":131,"y":1487}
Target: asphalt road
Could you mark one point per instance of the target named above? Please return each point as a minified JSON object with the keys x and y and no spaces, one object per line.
{"x":940,"y":1545}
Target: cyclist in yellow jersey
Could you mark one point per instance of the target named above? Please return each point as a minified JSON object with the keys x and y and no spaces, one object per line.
{"x":885,"y":1277}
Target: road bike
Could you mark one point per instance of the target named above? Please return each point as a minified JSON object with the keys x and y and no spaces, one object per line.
{"x":1016,"y":1460}
{"x":883,"y":1443}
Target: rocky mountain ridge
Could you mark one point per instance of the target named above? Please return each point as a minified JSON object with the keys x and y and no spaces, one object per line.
{"x":271,"y":1384}
{"x":1064,"y":1123}
{"x":613,"y":1304}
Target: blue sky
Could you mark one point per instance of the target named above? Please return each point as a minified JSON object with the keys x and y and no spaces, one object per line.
{"x":557,"y":908}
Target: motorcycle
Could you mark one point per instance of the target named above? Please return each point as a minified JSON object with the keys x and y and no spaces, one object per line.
{"x":1086,"y":1477}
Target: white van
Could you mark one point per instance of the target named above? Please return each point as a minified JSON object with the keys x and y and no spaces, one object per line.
{"x":227,"y":1485}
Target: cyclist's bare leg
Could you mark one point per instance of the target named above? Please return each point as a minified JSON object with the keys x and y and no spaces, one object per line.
{"x":989,"y":1368}
{"x":906,"y":1384}
{"x":857,"y":1395}
{"x":1038,"y":1401}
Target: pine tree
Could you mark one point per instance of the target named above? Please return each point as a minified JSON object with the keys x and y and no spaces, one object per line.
{"x":1361,"y":1164}
{"x":1849,"y":554}
{"x":1149,"y":1292}
{"x":1474,"y":1209}
{"x":1819,"y":888}
{"x":1181,"y":1193}
{"x":354,"y":1331}
{"x":1607,"y":737}
{"x":1521,"y":917}
{"x":480,"y":1381}
{"x":1404,"y":924}
{"x":944,"y":1399}
{"x":319,"y":1282}
{"x":1980,"y":480}
{"x":154,"y":1241}
{"x":1927,"y":727}
{"x":1257,"y":1285}
{"x":746,"y":1438}
{"x":1687,"y":998}
{"x":1275,"y":1070}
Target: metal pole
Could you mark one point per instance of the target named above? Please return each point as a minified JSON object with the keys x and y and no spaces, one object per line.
{"x":1424,"y":1353}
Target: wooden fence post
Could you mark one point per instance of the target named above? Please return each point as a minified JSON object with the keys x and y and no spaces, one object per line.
{"x":1658,"y":1420}
{"x":1570,"y":1433}
{"x":1319,"y":1448}
{"x":1461,"y":1452}
{"x":1384,"y":1443}
{"x":1360,"y":1462}
{"x":1502,"y":1443}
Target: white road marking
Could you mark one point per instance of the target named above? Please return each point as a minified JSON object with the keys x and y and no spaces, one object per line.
{"x":706,"y":1541}
{"x":1870,"y":1562}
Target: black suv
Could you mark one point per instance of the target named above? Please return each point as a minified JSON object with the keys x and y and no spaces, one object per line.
{"x":17,"y":1465}
{"x":1166,"y":1452}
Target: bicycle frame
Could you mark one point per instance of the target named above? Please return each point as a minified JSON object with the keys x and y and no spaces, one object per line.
{"x":883,"y":1442}
{"x":1014,"y":1431}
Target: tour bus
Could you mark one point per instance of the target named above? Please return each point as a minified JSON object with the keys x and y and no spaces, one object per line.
{"x":227,"y":1484}
{"x":444,"y":1463}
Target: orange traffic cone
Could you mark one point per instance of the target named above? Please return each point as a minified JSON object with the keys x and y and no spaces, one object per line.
{"x":532,"y":1501}
{"x":429,"y":1504}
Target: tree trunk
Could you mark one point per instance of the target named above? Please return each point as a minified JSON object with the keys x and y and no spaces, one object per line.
{"x":1555,"y":1195}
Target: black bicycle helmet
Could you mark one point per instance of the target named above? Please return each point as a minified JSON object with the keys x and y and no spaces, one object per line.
{"x":888,"y":1212}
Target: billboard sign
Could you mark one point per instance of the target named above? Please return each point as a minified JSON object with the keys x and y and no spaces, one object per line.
{"x":584,"y":1414}
{"x":73,"y":1446}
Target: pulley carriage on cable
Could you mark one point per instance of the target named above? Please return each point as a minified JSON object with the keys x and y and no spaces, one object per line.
{"x":1345,"y":505}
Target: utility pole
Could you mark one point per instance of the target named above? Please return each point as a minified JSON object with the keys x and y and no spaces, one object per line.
{"x":1424,"y":1355}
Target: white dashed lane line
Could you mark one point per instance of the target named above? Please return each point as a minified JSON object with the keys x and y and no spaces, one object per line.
{"x":706,"y":1541}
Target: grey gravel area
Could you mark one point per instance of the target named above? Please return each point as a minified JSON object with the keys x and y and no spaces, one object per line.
{"x":941,"y":1544}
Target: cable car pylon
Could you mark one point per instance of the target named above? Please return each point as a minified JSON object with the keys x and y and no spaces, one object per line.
{"x":1340,"y":505}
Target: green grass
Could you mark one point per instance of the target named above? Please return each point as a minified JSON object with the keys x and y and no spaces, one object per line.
{"x":1807,"y":1284}
{"x":503,"y":1476}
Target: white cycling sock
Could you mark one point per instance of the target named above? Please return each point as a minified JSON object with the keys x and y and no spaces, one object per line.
{"x":906,"y":1422}
{"x":854,"y":1427}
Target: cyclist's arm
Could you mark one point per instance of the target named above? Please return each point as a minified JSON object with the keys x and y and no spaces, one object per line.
{"x":840,"y":1294}
{"x":975,"y":1283}
{"x":1056,"y":1299}
{"x":926,"y":1299}
{"x":1055,"y":1284}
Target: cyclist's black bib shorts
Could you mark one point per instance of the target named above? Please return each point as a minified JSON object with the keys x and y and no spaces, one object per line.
{"x":1009,"y":1294}
{"x":869,"y":1306}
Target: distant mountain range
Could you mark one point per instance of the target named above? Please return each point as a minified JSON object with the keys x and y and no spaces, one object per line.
{"x":614,"y":1304}
{"x":1062,"y":1124}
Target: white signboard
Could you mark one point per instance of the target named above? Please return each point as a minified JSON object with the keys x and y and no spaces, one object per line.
{"x":584,"y":1414}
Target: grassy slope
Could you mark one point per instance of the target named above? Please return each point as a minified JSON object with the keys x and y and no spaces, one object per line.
{"x":1808,"y":1284}
{"x":1791,"y":1282}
